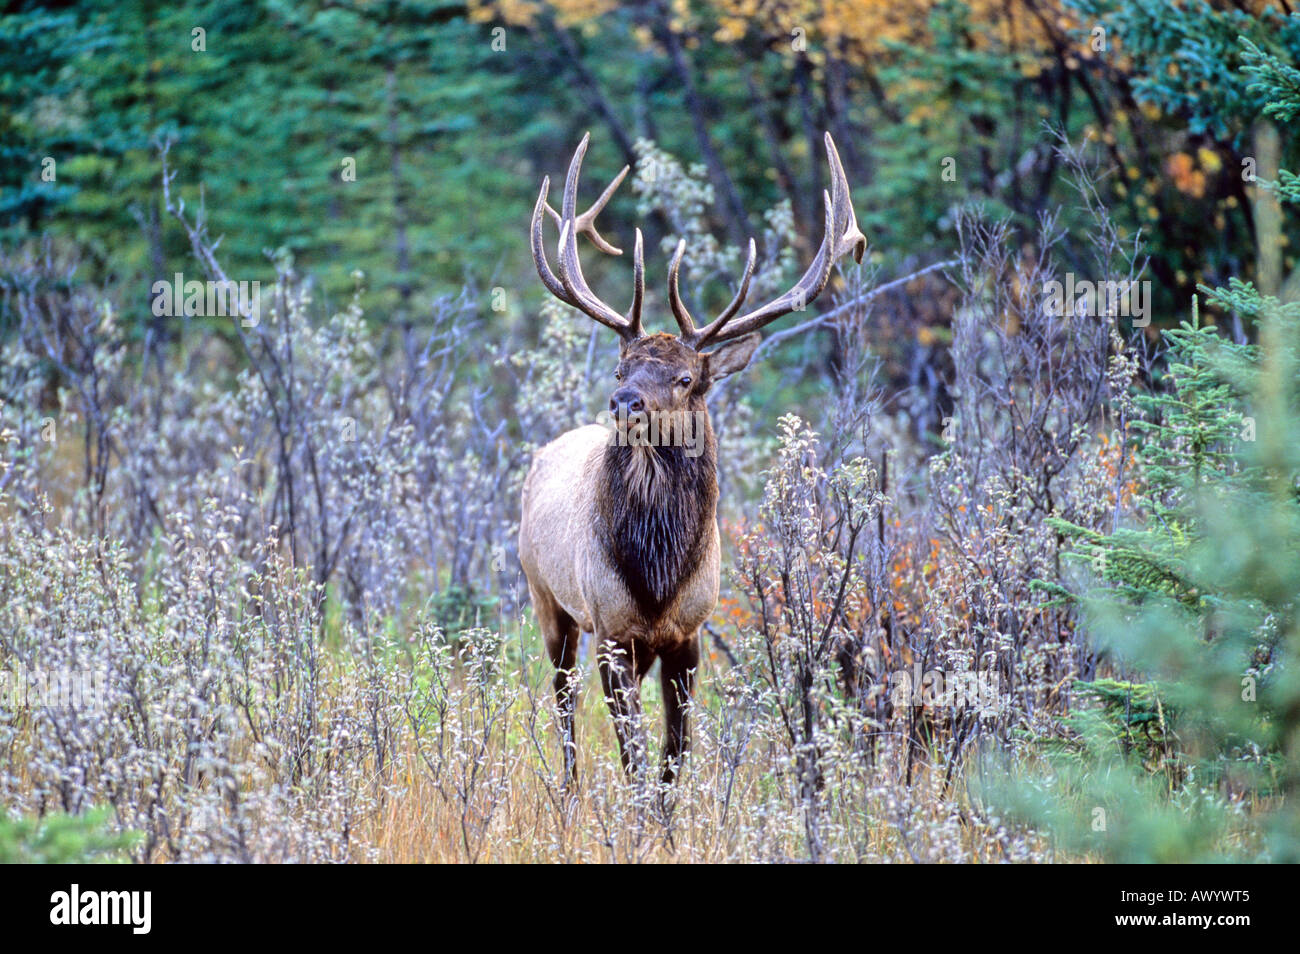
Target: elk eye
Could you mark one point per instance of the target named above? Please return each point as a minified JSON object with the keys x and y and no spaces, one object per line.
{"x":685,"y":380}
{"x":618,"y":375}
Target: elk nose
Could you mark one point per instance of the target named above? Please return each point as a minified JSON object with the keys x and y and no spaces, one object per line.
{"x":625,"y":401}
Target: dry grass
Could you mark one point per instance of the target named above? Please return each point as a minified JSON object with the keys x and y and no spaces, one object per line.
{"x":736,"y":803}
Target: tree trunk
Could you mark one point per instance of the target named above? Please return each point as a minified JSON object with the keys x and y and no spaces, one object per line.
{"x":1267,"y":211}
{"x":732,"y":205}
{"x":402,"y":246}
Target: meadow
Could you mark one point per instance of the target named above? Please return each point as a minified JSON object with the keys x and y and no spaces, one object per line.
{"x":1009,"y":517}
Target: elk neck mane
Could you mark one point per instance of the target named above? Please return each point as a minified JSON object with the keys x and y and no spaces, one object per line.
{"x":656,"y":509}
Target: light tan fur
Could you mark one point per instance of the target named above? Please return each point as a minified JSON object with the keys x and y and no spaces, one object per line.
{"x":563,"y":560}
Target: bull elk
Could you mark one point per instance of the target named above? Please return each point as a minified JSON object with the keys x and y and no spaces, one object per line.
{"x":619,"y":537}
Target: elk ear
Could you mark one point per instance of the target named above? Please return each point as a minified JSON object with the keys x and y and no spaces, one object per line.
{"x":731,"y":357}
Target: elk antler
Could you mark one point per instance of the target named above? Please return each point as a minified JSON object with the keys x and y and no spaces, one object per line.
{"x":841,"y":236}
{"x":571,"y":287}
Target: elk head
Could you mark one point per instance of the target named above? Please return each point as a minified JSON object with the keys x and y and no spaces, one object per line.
{"x":663,"y":376}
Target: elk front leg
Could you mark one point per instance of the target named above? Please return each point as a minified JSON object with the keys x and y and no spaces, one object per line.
{"x":677,"y":677}
{"x":561,"y":636}
{"x":621,"y":667}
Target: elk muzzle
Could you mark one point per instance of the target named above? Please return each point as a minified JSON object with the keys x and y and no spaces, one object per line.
{"x":625,"y":402}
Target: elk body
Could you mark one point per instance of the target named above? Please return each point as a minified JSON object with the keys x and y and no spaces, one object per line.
{"x":619,"y":535}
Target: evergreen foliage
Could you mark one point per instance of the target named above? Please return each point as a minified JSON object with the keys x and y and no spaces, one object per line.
{"x":60,"y":839}
{"x":1200,"y":601}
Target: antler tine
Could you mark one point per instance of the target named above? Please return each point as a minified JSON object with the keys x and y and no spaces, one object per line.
{"x":570,"y":286}
{"x":841,"y":236}
{"x":710,"y":331}
{"x":586,"y":223}
{"x":804,"y":291}
{"x":684,"y":320}
{"x":850,"y":236}
{"x":743,"y":290}
{"x":539,"y":249}
{"x":638,"y":286}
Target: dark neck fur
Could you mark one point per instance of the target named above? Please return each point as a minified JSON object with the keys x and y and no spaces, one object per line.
{"x":656,"y":517}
